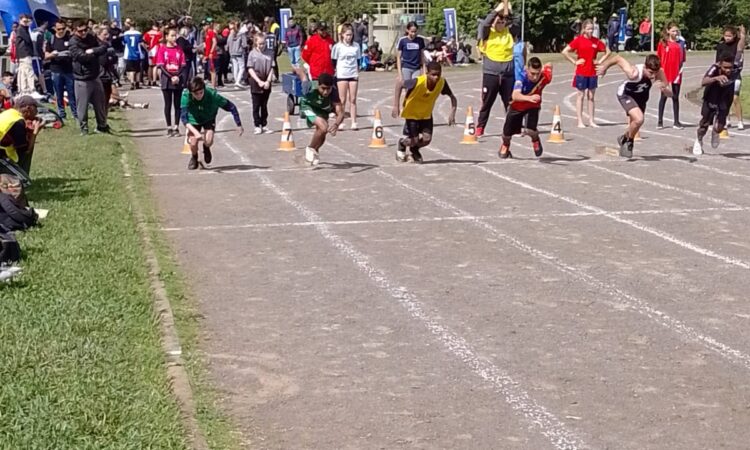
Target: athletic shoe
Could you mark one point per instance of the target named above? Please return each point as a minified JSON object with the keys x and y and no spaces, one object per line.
{"x":660,"y":126}
{"x":479,"y":132}
{"x":416,"y":156}
{"x":170,"y":132}
{"x":740,"y":125}
{"x":714,"y":138}
{"x":506,"y":153}
{"x":105,"y":130}
{"x":266,"y":130}
{"x":401,"y":152}
{"x":626,"y":146}
{"x":258,"y":130}
{"x":678,"y":126}
{"x":176,"y":131}
{"x":538,"y":149}
{"x":207,"y":157}
{"x":311,"y":156}
{"x":697,"y":147}
{"x":355,"y":126}
{"x":193,"y":164}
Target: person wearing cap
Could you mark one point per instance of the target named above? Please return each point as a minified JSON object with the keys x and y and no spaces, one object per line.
{"x":613,"y":32}
{"x":294,"y":38}
{"x":19,"y":127}
{"x":319,"y":99}
{"x":317,"y":52}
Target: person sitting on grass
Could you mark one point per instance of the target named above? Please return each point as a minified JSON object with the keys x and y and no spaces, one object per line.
{"x":19,"y":127}
{"x":319,"y":99}
{"x":200,"y":105}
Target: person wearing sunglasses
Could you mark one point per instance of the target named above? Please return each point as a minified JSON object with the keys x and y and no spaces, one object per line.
{"x":85,"y":49}
{"x":57,"y":52}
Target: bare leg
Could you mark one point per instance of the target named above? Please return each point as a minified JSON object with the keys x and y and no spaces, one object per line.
{"x":636,"y":122}
{"x":591,"y":93}
{"x":579,"y":108}
{"x":353,"y":88}
{"x":319,"y":135}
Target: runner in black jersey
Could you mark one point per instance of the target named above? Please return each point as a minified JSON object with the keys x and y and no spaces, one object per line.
{"x":633,"y":94}
{"x":717,"y":98}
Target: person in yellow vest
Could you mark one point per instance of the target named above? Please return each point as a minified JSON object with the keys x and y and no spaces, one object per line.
{"x":498,"y":75}
{"x":19,"y":127}
{"x":421,"y":94}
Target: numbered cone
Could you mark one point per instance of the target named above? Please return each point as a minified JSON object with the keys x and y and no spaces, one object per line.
{"x":378,"y":134}
{"x":470,"y":130}
{"x":287,"y":140}
{"x":556,"y":135}
{"x":185,"y":145}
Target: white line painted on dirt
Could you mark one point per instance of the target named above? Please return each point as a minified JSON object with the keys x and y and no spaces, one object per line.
{"x":444,"y":219}
{"x":517,"y":398}
{"x":631,"y":302}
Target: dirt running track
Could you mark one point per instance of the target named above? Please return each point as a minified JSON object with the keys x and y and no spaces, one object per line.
{"x":580,"y":301}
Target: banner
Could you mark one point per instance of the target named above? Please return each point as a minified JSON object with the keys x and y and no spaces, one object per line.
{"x":451,"y":29}
{"x":623,"y":24}
{"x":284,"y":15}
{"x":113,"y":7}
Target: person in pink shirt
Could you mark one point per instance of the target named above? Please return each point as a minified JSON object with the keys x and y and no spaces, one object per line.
{"x":171,"y":62}
{"x":672,"y":57}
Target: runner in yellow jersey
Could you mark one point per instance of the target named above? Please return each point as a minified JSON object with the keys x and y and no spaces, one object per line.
{"x":421,"y":94}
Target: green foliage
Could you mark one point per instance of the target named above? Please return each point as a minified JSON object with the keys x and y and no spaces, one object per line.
{"x":332,"y":11}
{"x":708,"y":37}
{"x":467,"y":13}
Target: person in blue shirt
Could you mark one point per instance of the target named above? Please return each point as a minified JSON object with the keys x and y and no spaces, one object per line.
{"x":410,"y":60}
{"x":133,"y":39}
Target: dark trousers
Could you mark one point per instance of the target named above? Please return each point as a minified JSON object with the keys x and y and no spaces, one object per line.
{"x":492,"y":85}
{"x":172,"y":99}
{"x":276,"y":68}
{"x":63,"y":82}
{"x":91,"y":92}
{"x":675,"y":104}
{"x":260,"y":107}
{"x":613,"y":47}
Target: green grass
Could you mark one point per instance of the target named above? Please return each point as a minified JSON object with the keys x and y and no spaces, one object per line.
{"x":745,"y":97}
{"x":82,"y":363}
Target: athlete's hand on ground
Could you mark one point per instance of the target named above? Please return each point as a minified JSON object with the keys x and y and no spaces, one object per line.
{"x":580,"y":62}
{"x":333,"y":129}
{"x":536,"y":98}
{"x":240,"y":130}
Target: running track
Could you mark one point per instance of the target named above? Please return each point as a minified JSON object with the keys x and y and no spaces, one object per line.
{"x":580,"y":301}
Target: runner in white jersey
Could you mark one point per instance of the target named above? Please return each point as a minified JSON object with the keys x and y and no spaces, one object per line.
{"x":633,"y":94}
{"x":133,"y":40}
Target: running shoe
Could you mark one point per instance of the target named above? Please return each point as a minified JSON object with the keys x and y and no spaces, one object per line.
{"x":538,"y":149}
{"x":193,"y":163}
{"x":416,"y":156}
{"x":266,"y":130}
{"x":740,"y":125}
{"x":258,"y":130}
{"x":176,"y":131}
{"x":626,"y":146}
{"x":401,"y":152}
{"x":355,"y":126}
{"x":504,"y":152}
{"x":678,"y":126}
{"x":697,"y":147}
{"x":170,"y":132}
{"x":479,"y":132}
{"x":715,"y":136}
{"x":207,"y":157}
{"x":660,"y":126}
{"x":311,"y":156}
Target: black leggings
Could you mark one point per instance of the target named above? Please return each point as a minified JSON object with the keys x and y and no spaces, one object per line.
{"x":491,"y":86}
{"x":172,"y":99}
{"x":675,"y":104}
{"x":260,"y":107}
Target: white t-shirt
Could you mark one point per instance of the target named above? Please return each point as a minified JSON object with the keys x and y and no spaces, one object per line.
{"x":347,"y":60}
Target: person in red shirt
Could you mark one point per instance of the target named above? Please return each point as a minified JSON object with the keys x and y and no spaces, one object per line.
{"x":317,"y":52}
{"x":525,"y":105}
{"x":209,"y":52}
{"x":586,"y":47}
{"x":645,"y":31}
{"x":153,"y":38}
{"x":672,"y":57}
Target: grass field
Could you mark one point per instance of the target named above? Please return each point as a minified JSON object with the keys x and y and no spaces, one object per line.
{"x":745,"y":96}
{"x":82,"y":363}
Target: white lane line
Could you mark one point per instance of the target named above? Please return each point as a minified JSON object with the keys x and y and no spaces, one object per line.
{"x":623,"y":298}
{"x":445,"y":219}
{"x":517,"y":398}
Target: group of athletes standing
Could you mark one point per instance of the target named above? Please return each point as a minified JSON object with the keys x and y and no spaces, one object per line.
{"x":519,"y":82}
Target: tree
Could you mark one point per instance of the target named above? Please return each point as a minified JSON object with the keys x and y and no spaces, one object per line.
{"x":331,"y":10}
{"x":467,"y":13}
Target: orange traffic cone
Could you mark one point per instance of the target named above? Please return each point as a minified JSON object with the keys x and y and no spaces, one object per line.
{"x":186,"y":146}
{"x":378,"y":136}
{"x":470,"y":130}
{"x":287,"y":140}
{"x":724,"y":134}
{"x":556,"y":135}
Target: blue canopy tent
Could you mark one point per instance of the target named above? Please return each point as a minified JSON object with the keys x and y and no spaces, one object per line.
{"x":44,"y":11}
{"x":11,"y":9}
